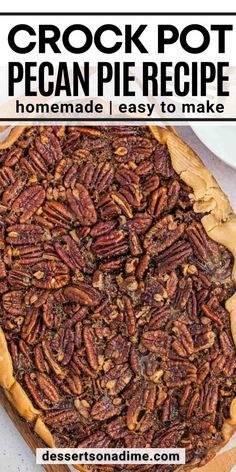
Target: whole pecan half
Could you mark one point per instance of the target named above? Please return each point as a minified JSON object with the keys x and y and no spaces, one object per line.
{"x":82,"y":293}
{"x":82,"y":205}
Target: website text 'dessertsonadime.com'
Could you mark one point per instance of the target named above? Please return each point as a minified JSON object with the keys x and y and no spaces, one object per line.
{"x":103,"y":456}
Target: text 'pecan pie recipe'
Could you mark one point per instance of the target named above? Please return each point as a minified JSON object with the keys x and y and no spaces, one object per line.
{"x":114,"y":326}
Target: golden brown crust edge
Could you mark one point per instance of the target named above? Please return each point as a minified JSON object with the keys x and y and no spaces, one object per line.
{"x":12,"y":137}
{"x":220,"y":225}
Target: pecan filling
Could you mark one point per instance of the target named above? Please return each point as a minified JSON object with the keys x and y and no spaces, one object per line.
{"x":112,"y":294}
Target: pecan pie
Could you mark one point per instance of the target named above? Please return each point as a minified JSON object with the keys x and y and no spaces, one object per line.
{"x":117,"y":284}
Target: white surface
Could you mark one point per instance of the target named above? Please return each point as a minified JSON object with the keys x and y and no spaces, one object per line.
{"x":224,"y":174}
{"x":221,"y":143}
{"x":15,"y":456}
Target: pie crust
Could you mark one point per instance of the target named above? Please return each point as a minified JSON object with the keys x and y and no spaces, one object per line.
{"x":220,"y":225}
